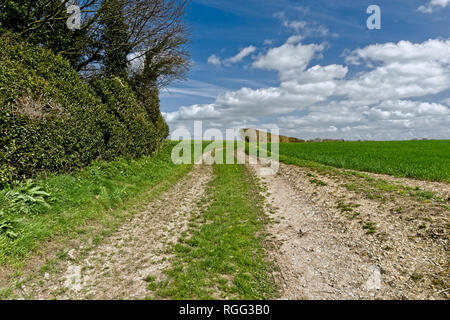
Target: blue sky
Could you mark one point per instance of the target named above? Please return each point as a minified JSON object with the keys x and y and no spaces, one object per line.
{"x":220,"y":29}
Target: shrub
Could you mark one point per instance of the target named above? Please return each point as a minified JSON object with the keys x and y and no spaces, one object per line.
{"x":26,"y":199}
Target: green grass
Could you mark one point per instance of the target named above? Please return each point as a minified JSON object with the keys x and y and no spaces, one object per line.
{"x":224,"y":257}
{"x":370,"y":227}
{"x":426,"y":160}
{"x":318,"y":182}
{"x":72,"y":202}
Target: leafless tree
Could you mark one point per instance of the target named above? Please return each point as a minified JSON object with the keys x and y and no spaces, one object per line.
{"x":158,"y":35}
{"x":157,"y":30}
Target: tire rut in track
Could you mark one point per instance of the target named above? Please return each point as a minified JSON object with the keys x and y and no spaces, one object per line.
{"x":323,"y":254}
{"x":118,"y":266}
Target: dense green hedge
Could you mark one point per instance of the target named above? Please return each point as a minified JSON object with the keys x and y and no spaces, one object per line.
{"x":150,"y":101}
{"x":52,"y":120}
{"x":134,"y":133}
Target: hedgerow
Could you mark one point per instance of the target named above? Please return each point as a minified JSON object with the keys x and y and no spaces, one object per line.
{"x":136,"y":135}
{"x":51,"y":120}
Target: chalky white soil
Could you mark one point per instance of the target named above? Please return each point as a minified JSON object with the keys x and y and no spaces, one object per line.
{"x":325,"y":253}
{"x":118,"y":266}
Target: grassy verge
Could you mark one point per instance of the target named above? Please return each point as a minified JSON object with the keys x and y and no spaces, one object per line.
{"x":223,"y":255}
{"x":66,"y":205}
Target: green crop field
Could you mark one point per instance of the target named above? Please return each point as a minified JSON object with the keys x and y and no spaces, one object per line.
{"x":426,"y":160}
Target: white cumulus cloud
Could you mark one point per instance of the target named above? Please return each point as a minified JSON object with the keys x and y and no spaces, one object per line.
{"x":388,"y":99}
{"x":245,"y":52}
{"x":433,"y":5}
{"x":213,"y":59}
{"x":241,"y":55}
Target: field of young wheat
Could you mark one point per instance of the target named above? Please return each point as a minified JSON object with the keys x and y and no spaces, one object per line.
{"x":425,"y":160}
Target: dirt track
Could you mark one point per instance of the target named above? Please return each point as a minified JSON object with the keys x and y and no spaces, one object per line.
{"x":322,"y":250}
{"x":325,"y":253}
{"x":117,"y":268}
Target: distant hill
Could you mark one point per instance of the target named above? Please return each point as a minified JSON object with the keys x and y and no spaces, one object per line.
{"x":254,"y":134}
